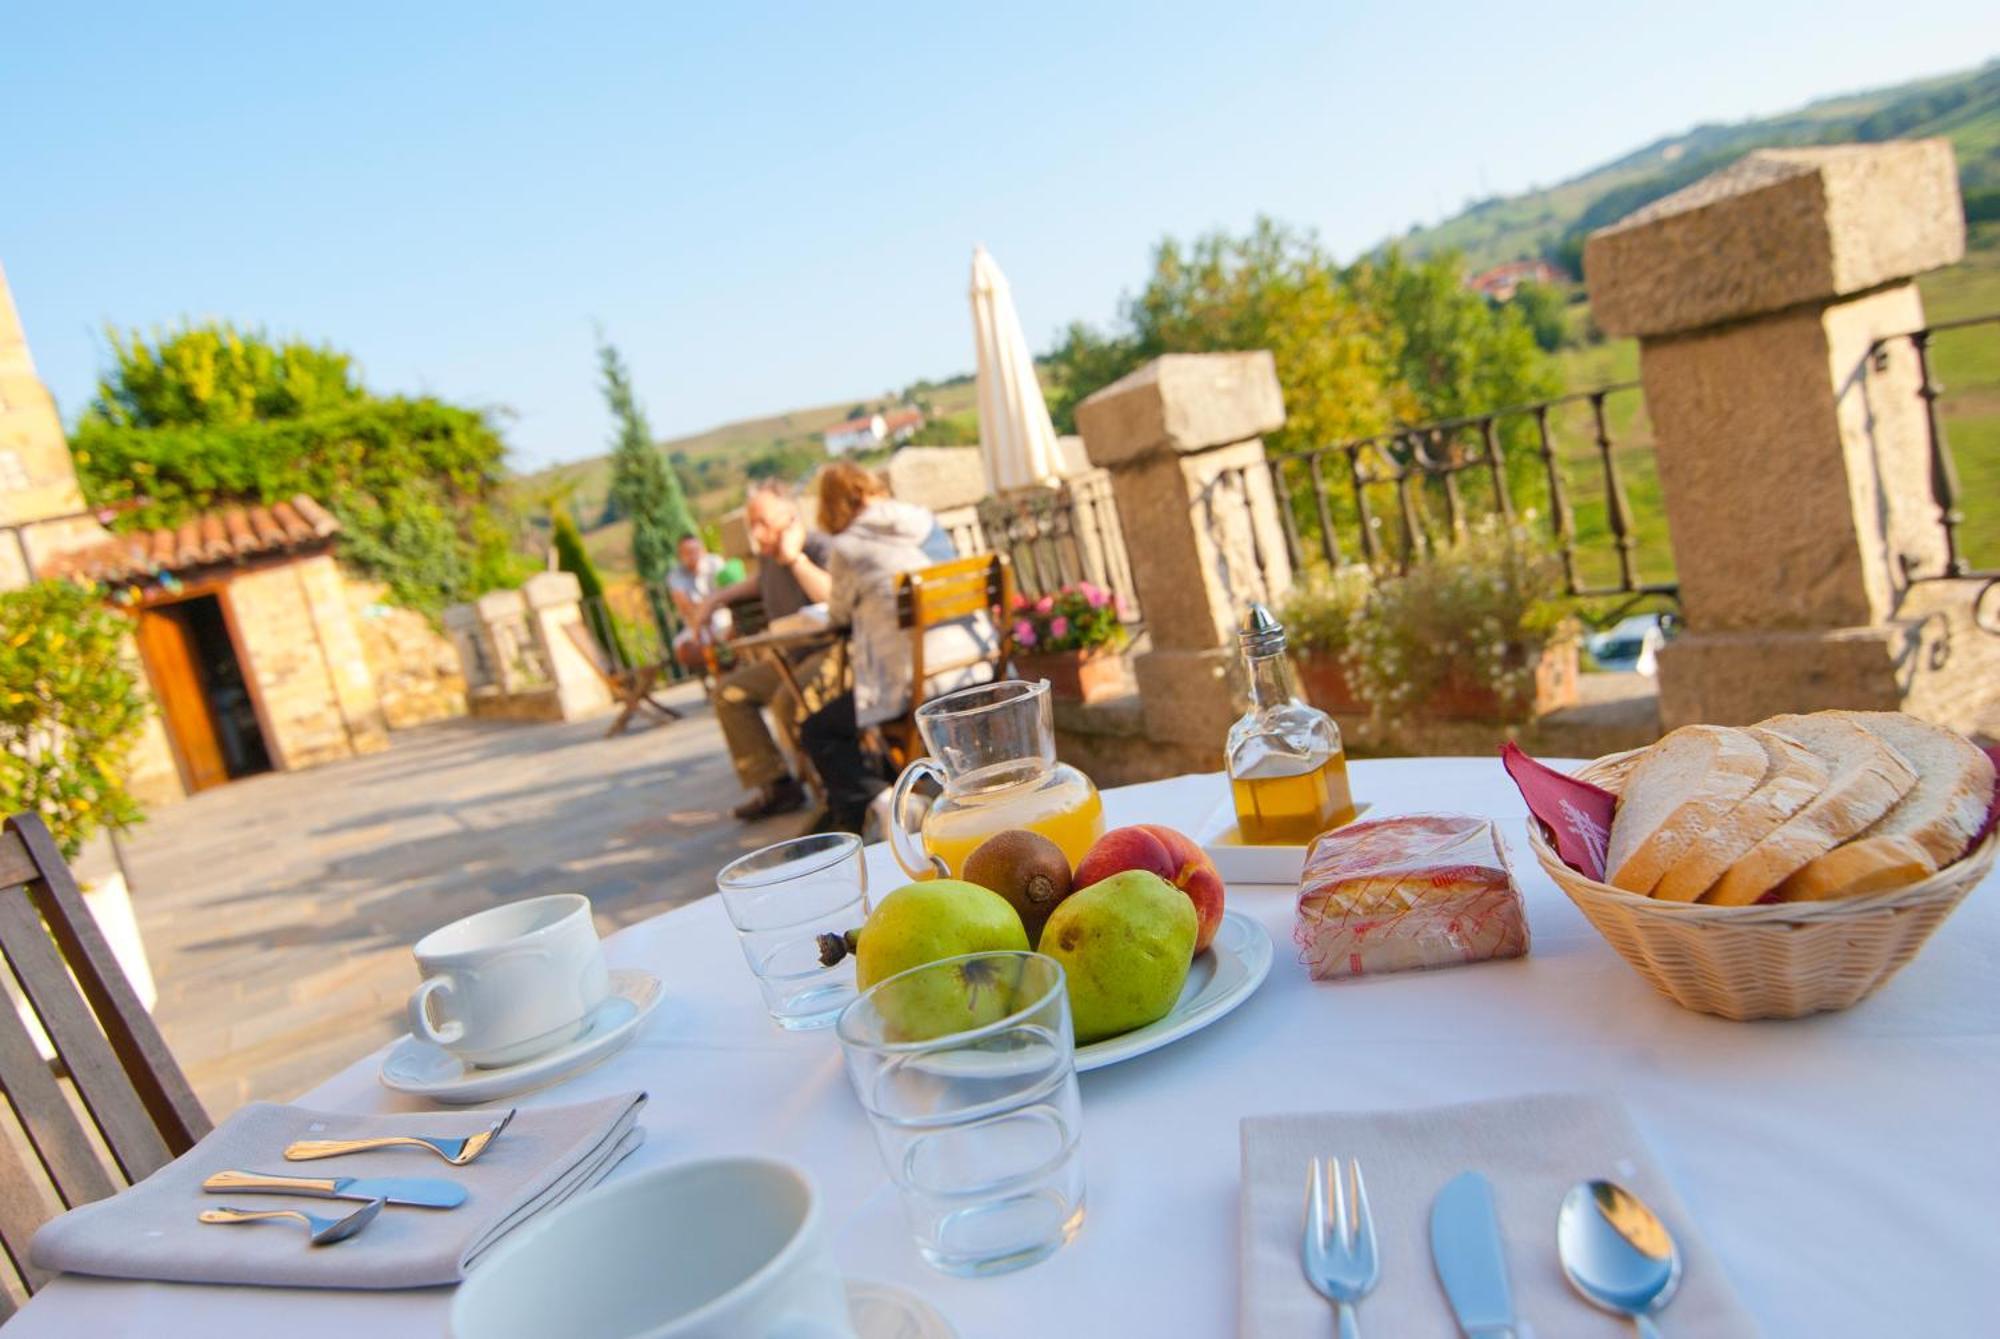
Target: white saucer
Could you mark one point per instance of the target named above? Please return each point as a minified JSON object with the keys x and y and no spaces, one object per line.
{"x":884,"y":1311}
{"x":426,"y":1070}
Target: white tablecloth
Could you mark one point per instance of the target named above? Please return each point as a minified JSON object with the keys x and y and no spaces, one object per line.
{"x":1843,"y":1167}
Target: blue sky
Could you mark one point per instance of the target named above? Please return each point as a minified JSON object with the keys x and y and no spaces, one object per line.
{"x":771,"y":206}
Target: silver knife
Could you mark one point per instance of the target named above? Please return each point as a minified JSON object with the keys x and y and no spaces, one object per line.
{"x":1465,"y":1244}
{"x":427,"y":1192}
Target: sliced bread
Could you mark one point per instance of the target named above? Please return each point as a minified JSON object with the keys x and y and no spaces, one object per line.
{"x":1674,"y":795}
{"x":1793,"y":776}
{"x":1865,"y":779}
{"x":1927,"y":829}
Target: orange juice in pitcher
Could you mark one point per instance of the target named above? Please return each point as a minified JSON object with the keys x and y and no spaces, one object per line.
{"x":993,"y":751}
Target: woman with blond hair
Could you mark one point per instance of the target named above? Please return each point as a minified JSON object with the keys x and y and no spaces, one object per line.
{"x":875,"y":538}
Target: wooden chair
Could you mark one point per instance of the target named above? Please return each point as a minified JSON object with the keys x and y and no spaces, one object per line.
{"x":940,"y":594}
{"x":632,"y":686}
{"x":140,"y":1109}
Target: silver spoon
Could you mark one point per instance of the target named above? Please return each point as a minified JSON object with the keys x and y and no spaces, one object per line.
{"x":325,"y":1231}
{"x":1617,"y":1253}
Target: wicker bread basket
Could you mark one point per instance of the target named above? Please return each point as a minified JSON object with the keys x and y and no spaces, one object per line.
{"x":1782,"y":960}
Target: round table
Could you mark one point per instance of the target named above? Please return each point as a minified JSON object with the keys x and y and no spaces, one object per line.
{"x":1842,"y":1167}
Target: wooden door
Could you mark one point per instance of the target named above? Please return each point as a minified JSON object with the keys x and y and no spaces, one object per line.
{"x":167,"y":644}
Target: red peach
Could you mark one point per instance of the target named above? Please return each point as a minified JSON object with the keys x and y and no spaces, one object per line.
{"x":1167,"y":853}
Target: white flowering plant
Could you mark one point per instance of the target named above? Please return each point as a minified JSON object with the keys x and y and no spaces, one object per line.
{"x":1479,"y":611}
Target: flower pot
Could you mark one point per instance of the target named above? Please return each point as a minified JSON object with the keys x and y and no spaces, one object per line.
{"x":1089,"y":675}
{"x":1323,"y":679}
{"x":1461,"y":699}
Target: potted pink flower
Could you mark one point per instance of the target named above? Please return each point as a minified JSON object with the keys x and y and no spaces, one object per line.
{"x":1071,"y":638}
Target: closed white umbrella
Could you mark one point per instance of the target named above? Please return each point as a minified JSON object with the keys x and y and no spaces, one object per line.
{"x":1016,"y":440}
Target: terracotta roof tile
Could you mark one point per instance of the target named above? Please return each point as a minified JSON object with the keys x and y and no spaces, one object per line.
{"x":211,"y":539}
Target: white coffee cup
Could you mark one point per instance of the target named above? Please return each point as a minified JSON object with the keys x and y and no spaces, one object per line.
{"x":509,"y":983}
{"x":725,"y":1248}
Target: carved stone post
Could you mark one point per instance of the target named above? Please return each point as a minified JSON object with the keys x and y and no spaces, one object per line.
{"x":1182,"y":439}
{"x":1795,"y":460}
{"x":555,"y":605}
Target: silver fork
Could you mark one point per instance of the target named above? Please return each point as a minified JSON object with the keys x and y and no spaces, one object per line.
{"x":1339,"y":1248}
{"x":457,"y":1152}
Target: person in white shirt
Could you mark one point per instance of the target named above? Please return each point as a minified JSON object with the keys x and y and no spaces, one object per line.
{"x":691,"y":583}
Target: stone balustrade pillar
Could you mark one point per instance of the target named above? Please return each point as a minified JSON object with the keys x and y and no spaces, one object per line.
{"x":554,"y":602}
{"x":475,"y":656}
{"x":1794,"y":461}
{"x":503,"y":629}
{"x":1181,"y":438}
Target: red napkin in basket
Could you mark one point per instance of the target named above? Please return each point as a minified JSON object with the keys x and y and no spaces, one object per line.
{"x":1576,"y":816}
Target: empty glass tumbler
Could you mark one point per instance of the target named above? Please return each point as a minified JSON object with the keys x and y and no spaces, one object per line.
{"x":781,"y":899}
{"x":967,"y":1070}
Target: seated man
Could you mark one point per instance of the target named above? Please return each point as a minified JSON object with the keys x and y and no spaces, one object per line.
{"x":791,"y":574}
{"x":692,"y":581}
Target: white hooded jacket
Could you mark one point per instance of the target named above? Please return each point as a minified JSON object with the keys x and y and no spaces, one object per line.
{"x":886,"y":539}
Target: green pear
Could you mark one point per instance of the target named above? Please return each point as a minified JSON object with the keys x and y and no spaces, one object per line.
{"x":922,"y":923}
{"x":937,"y":918}
{"x":1125,"y":943}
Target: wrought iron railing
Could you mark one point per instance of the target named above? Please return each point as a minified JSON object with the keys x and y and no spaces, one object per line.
{"x":1516,"y":463}
{"x":1059,"y":536}
{"x":1956,"y":563}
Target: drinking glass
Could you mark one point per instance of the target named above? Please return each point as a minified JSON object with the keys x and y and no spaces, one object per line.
{"x":967,"y":1070}
{"x":781,"y":899}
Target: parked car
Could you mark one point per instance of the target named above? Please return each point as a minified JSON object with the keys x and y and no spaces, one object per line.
{"x":1633,"y":644}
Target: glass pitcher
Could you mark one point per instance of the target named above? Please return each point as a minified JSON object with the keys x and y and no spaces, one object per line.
{"x":993,"y":750}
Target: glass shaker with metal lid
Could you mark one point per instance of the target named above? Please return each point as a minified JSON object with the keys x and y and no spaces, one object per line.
{"x":1287,"y":770}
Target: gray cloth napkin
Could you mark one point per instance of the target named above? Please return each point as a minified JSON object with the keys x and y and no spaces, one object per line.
{"x":1533,"y":1149}
{"x":149,"y":1231}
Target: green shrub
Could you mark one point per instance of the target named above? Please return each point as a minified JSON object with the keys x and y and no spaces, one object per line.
{"x":1482,"y":608}
{"x":70,"y":711}
{"x":1324,"y":609}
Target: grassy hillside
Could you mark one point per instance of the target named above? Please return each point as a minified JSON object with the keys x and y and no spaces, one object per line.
{"x":1963,"y":107}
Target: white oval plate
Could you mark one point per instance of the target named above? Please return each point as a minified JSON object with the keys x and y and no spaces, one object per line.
{"x":425,"y":1070}
{"x":1222,"y":978}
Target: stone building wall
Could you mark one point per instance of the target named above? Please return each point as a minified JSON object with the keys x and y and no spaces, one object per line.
{"x":414,"y":665}
{"x":302,"y":652}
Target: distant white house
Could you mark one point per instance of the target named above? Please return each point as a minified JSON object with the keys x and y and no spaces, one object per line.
{"x":863,"y":434}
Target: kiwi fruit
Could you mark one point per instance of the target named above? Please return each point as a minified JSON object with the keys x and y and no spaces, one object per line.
{"x":1027,"y":869}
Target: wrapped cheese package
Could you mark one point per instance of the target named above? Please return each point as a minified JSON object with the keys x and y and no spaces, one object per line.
{"x":1414,"y":891}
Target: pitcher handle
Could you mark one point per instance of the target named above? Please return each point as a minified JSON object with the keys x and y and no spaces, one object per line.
{"x":905,"y":842}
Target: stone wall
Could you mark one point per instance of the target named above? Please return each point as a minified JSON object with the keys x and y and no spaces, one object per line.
{"x":414,"y":665}
{"x":39,"y":496}
{"x":305,"y":658}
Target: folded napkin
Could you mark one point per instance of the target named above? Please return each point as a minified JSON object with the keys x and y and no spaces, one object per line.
{"x":149,"y":1231}
{"x":1533,"y":1150}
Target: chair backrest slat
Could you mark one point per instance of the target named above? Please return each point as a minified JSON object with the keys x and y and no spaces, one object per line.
{"x":948,"y":591}
{"x":149,"y":1067}
{"x":22,"y":1210}
{"x":52,"y":1126}
{"x":100,"y":1080}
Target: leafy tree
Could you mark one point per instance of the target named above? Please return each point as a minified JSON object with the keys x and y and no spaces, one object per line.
{"x":219,"y":374}
{"x":948,"y":430}
{"x":1451,"y":352}
{"x":643,"y":486}
{"x":210,"y":416}
{"x":70,"y":711}
{"x":1545,"y":311}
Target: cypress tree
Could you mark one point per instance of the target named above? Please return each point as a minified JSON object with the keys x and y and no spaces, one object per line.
{"x":572,"y":557}
{"x":642,"y":485}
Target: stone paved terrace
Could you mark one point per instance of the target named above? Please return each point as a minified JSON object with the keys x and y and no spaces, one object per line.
{"x":278,"y":911}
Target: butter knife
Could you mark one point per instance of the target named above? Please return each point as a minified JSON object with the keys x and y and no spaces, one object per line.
{"x":426,"y":1192}
{"x":1465,"y":1244}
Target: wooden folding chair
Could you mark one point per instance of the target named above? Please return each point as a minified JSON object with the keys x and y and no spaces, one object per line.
{"x":632,"y":686}
{"x":139,"y":1106}
{"x":940,"y":594}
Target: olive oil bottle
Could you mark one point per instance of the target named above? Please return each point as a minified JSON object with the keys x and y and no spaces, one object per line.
{"x":1287,"y":771}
